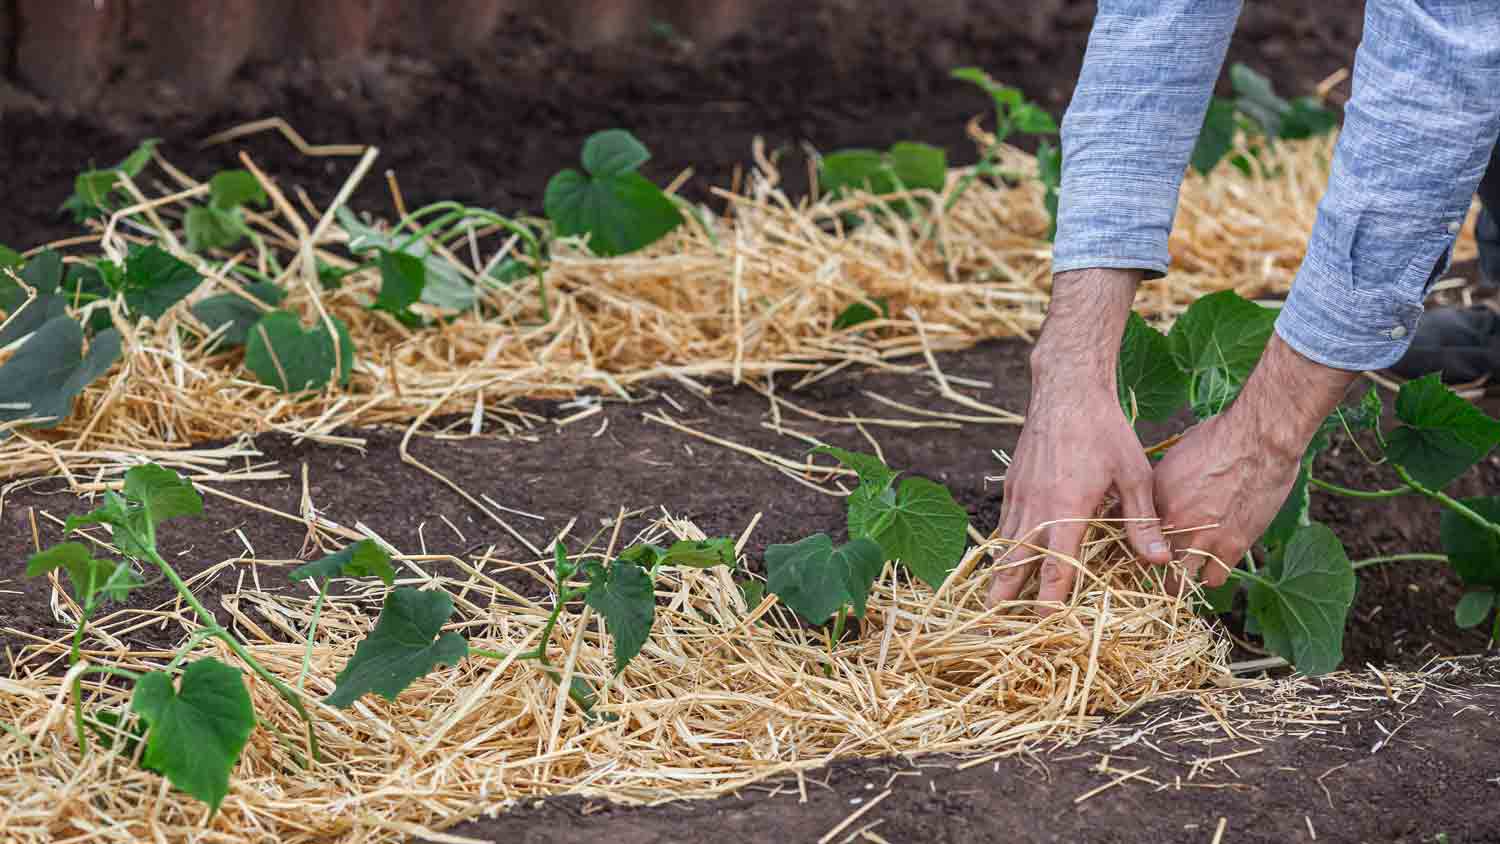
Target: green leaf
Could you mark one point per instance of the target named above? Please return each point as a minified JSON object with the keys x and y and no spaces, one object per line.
{"x":114,"y":730}
{"x":859,"y":313}
{"x":285,"y":356}
{"x":620,"y":210}
{"x":814,"y":579}
{"x":1305,"y":118}
{"x":923,"y":527}
{"x":198,"y":730}
{"x":92,"y":189}
{"x":1474,"y":607}
{"x":613,"y":152}
{"x":1005,"y":97}
{"x":364,"y":558}
{"x":920,"y":166}
{"x":42,"y":378}
{"x":155,"y":281}
{"x":230,"y":189}
{"x":907,"y":166}
{"x":626,"y":598}
{"x":1293,"y":514}
{"x":139,"y":157}
{"x":700,"y":554}
{"x":9,"y":258}
{"x":872,"y":470}
{"x":1049,"y":173}
{"x":1302,"y":606}
{"x":1257,"y":100}
{"x":1216,"y":138}
{"x":1219,"y":600}
{"x":401,"y":648}
{"x":209,"y":227}
{"x":1367,"y":414}
{"x":162,"y":493}
{"x":1151,"y":386}
{"x":1473,"y":550}
{"x":753,"y":591}
{"x":1217,"y":342}
{"x":1443,"y":434}
{"x":402,"y":278}
{"x":444,"y":286}
{"x":1033,"y":120}
{"x":26,"y":313}
{"x":237,"y":312}
{"x":30,"y":316}
{"x":90,"y":577}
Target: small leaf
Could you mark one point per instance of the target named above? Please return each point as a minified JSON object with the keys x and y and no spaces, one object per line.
{"x":753,"y":591}
{"x":9,"y":258}
{"x":364,"y":558}
{"x":855,"y":169}
{"x":872,"y":470}
{"x":700,"y":554}
{"x":92,"y":188}
{"x":155,"y":281}
{"x":1033,"y":120}
{"x":1216,"y":138}
{"x":626,"y":598}
{"x":209,"y":227}
{"x":42,"y":378}
{"x":814,"y":579}
{"x":237,"y":312}
{"x":1301,"y":611}
{"x":401,"y":648}
{"x":402,"y":278}
{"x":162,"y":493}
{"x":1150,"y":383}
{"x":923,"y":527}
{"x":859,"y":313}
{"x":443,"y":286}
{"x":620,"y":214}
{"x":230,"y":189}
{"x":198,"y":730}
{"x":1257,"y":100}
{"x":1305,"y":118}
{"x":1474,"y":607}
{"x":613,"y":152}
{"x":1443,"y":434}
{"x":1005,"y":97}
{"x":1217,"y":342}
{"x":284,"y":355}
{"x":90,"y":577}
{"x":1473,"y":550}
{"x":920,"y":166}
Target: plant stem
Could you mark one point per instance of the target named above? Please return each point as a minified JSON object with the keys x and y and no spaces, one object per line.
{"x":287,"y":693}
{"x":312,"y":632}
{"x":1451,"y":503}
{"x":1241,"y":574}
{"x":1400,"y":558}
{"x":193,"y":641}
{"x":1358,"y":493}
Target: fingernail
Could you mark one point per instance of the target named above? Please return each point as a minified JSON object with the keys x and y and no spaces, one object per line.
{"x":1160,"y":547}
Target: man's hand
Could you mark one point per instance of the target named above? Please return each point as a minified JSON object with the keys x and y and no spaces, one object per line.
{"x":1235,"y":470}
{"x":1077,"y":444}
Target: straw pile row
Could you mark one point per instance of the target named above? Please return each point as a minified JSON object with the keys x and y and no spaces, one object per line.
{"x":736,"y":296}
{"x":724,"y":695}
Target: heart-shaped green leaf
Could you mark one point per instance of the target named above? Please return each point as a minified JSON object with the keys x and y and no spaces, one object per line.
{"x":1473,"y":550}
{"x":24,"y":311}
{"x":93,"y":189}
{"x":230,"y":189}
{"x":10,"y":259}
{"x":1443,"y":434}
{"x":907,"y":166}
{"x":401,"y":648}
{"x":364,"y":558}
{"x":237,"y":312}
{"x":285,"y":356}
{"x":210,"y":227}
{"x":42,"y":378}
{"x":162,"y":493}
{"x":613,"y":152}
{"x":197,"y":731}
{"x":923,"y":527}
{"x":1302,"y":604}
{"x":155,"y":281}
{"x":1217,"y":342}
{"x":1474,"y":607}
{"x":620,"y":210}
{"x":626,"y":598}
{"x":91,"y":577}
{"x":402,"y":278}
{"x":814,"y":579}
{"x":1151,"y":386}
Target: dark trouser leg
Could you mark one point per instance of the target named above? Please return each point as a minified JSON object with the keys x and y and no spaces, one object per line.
{"x":1488,"y":229}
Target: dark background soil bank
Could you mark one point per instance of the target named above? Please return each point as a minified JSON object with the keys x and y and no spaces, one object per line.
{"x":491,"y":132}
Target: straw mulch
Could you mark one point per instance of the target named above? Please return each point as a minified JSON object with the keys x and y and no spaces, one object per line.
{"x":724,"y":695}
{"x":737,"y":296}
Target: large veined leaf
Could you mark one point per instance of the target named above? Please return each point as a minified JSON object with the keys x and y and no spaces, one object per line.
{"x":618,"y":209}
{"x":1474,"y":607}
{"x":407,"y":643}
{"x":1473,"y":550}
{"x":923,"y":527}
{"x":284,"y":355}
{"x":162,"y":493}
{"x":24,"y":311}
{"x":1442,"y":435}
{"x":815,"y":579}
{"x":1217,"y":342}
{"x":364,"y":558}
{"x":155,"y":281}
{"x":625,"y":596}
{"x":1151,"y":386}
{"x":1301,"y":603}
{"x":42,"y":378}
{"x":236,"y":312}
{"x":198,"y":730}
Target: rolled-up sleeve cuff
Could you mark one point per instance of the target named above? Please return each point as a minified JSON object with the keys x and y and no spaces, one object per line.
{"x":1153,"y":268}
{"x":1328,"y":321}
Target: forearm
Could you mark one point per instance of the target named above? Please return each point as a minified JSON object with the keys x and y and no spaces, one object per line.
{"x":1417,"y":137}
{"x":1130,"y":129}
{"x":1079,"y":344}
{"x":1287,"y":398}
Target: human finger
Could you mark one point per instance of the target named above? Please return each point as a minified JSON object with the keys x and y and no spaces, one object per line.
{"x":1138,"y":504}
{"x":1065,"y":540}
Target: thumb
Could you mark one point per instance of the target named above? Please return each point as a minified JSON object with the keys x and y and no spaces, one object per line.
{"x":1138,"y":504}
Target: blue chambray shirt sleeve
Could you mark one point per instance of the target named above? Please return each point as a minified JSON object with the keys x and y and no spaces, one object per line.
{"x":1417,"y":136}
{"x":1130,"y":129}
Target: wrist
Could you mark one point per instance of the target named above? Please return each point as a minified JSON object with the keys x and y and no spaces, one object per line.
{"x":1079,"y":345}
{"x":1287,"y":398}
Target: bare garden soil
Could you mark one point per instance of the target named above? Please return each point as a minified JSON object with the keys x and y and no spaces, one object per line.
{"x":491,"y":133}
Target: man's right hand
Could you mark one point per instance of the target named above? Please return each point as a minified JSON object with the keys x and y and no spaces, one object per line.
{"x":1076,"y":444}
